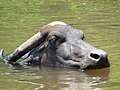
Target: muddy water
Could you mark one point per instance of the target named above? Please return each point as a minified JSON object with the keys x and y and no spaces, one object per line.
{"x":20,"y":19}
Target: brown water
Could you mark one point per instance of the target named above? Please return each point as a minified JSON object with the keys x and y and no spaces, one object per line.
{"x":100,"y":21}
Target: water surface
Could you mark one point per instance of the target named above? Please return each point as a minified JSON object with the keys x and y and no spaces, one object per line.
{"x":100,"y":21}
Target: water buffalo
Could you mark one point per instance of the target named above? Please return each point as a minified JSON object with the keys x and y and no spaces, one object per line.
{"x":60,"y":45}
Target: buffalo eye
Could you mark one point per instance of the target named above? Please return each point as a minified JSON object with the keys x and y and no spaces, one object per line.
{"x":54,"y":41}
{"x":51,"y":40}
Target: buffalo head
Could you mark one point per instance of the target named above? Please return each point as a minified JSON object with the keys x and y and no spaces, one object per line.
{"x":60,"y":45}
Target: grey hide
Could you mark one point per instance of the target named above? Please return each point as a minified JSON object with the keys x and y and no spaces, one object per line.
{"x":59,"y":45}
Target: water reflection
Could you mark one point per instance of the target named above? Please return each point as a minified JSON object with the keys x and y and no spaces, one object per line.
{"x":100,"y":20}
{"x":63,"y":79}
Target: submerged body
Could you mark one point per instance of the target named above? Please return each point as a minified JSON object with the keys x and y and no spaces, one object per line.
{"x":60,"y":45}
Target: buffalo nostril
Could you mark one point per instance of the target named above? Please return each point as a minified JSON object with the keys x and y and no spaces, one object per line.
{"x":95,"y":56}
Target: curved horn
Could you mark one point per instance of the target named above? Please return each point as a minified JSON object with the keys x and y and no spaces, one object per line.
{"x":31,"y":43}
{"x":34,"y":41}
